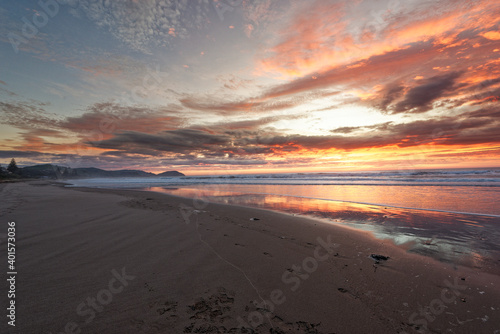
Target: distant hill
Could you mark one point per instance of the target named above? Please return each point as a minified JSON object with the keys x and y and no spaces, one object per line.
{"x":57,"y":172}
{"x":171,"y":173}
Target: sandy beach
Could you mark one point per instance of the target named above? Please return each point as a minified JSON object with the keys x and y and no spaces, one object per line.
{"x":122,"y":261}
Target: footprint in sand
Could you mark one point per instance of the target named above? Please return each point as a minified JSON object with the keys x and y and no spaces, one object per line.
{"x":209,"y":313}
{"x":138,"y":324}
{"x":281,"y":327}
{"x":169,"y":307}
{"x":141,"y":327}
{"x":348,"y":293}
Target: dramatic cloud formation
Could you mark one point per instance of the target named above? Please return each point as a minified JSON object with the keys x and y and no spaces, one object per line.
{"x":243,"y":85}
{"x":420,"y":98}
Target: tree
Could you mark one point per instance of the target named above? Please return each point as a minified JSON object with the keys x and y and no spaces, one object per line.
{"x":12,"y":166}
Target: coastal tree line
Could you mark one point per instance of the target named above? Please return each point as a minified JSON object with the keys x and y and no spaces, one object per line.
{"x":11,"y":171}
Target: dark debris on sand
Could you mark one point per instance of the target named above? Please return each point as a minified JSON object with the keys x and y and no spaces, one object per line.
{"x":378,"y":257}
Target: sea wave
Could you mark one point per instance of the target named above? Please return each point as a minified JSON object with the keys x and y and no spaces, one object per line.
{"x":452,"y":178}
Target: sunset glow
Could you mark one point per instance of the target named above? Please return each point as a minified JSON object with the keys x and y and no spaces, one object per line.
{"x":255,"y":86}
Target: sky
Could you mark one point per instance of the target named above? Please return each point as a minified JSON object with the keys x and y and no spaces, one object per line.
{"x":240,"y":86}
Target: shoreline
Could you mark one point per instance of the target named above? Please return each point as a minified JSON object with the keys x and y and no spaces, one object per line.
{"x":334,"y":200}
{"x":198,"y":268}
{"x":475,"y":199}
{"x":422,"y":231}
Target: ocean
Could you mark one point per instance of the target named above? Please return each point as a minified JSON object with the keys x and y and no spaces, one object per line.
{"x":453,"y":190}
{"x":452,"y":215}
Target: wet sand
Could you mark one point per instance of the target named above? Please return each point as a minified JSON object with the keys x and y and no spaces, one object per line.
{"x":118,"y":261}
{"x":457,"y":238}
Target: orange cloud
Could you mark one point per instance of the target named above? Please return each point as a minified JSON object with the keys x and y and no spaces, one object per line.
{"x":322,"y":36}
{"x":492,"y":35}
{"x":307,"y":44}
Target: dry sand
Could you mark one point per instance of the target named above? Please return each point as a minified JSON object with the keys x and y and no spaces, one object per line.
{"x":117,"y":261}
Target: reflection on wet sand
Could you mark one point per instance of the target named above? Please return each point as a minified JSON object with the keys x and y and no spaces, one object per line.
{"x":450,"y":237}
